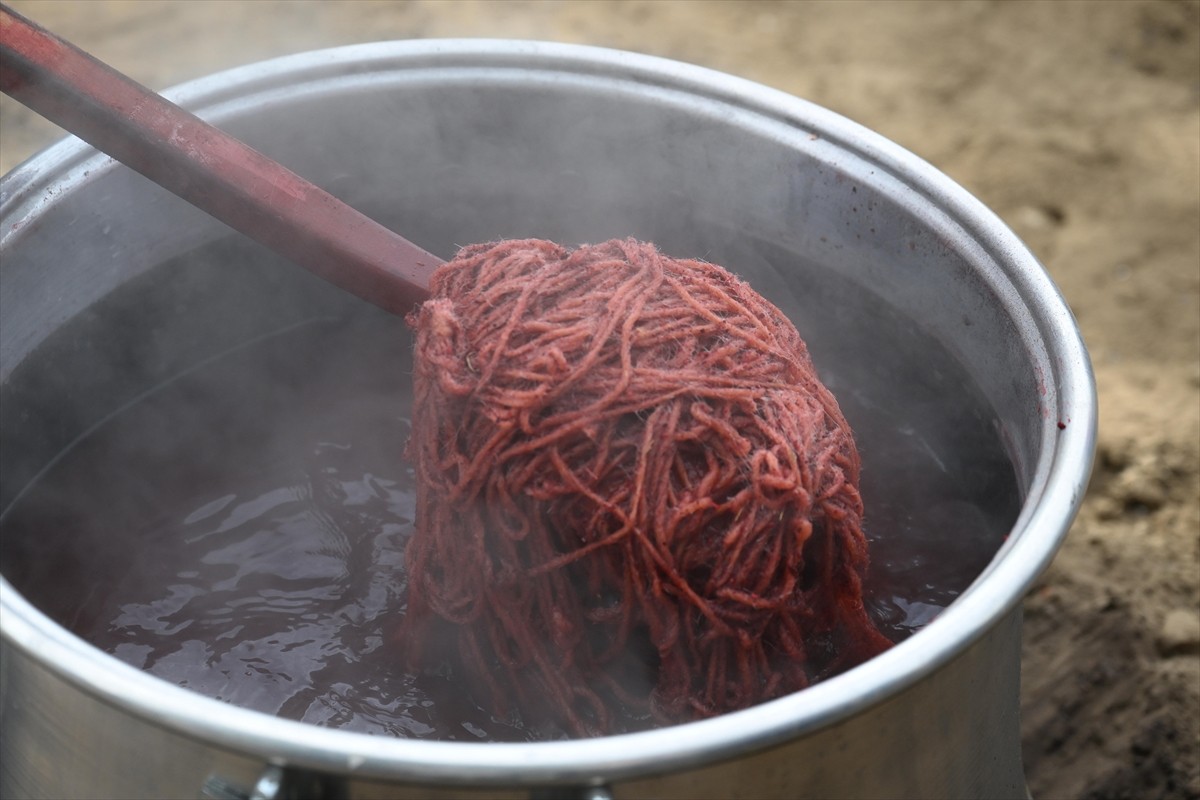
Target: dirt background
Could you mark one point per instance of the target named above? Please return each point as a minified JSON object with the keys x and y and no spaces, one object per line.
{"x":1077,"y":122}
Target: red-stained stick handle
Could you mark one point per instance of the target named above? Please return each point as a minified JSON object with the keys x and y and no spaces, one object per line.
{"x":209,"y":169}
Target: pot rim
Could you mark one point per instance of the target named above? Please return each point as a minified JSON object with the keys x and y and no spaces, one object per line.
{"x":1058,"y":478}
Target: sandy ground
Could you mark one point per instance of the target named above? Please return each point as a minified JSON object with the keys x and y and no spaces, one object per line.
{"x":1078,"y":122}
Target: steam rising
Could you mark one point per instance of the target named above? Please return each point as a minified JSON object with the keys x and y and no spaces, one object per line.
{"x":286,"y":455}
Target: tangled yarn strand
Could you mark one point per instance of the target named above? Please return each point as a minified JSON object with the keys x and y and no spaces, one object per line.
{"x":621,"y":452}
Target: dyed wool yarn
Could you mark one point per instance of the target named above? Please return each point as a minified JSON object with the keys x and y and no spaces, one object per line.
{"x":622,"y":452}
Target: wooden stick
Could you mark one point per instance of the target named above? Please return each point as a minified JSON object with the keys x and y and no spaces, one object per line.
{"x":210,"y":169}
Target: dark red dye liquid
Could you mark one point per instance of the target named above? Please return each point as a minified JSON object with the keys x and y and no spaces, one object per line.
{"x":239,"y":529}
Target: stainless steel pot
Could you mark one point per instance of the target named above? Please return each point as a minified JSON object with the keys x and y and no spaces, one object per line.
{"x":461,"y":141}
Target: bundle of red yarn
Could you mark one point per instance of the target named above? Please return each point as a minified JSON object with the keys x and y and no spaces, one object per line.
{"x":619,"y":453}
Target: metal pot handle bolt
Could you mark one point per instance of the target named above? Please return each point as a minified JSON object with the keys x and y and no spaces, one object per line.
{"x":280,"y":783}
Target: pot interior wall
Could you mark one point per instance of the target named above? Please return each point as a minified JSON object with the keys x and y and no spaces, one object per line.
{"x":455,"y":156}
